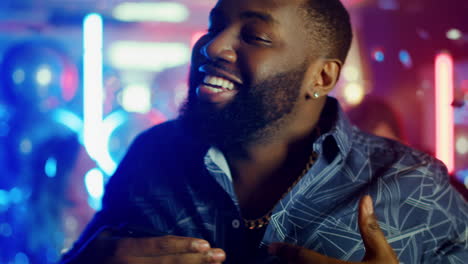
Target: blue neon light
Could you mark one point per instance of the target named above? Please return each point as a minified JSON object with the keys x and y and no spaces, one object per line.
{"x":110,"y":124}
{"x":94,"y":182}
{"x":379,"y":56}
{"x":69,"y":119}
{"x":50,"y":167}
{"x":4,"y":198}
{"x":93,"y":85}
{"x":405,"y":58}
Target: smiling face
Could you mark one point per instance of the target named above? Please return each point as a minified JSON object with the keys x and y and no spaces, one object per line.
{"x":247,"y":75}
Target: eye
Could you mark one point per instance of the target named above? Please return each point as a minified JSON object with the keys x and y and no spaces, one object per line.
{"x":254,"y":37}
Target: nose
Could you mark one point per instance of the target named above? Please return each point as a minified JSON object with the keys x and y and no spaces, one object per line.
{"x":220,"y":48}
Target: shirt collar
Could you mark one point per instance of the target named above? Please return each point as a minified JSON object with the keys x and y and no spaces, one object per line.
{"x":335,"y":125}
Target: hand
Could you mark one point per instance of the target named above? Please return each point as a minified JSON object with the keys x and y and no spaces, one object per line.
{"x":107,"y":248}
{"x":377,"y":249}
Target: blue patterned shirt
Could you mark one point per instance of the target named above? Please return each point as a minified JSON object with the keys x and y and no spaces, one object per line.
{"x":170,"y":183}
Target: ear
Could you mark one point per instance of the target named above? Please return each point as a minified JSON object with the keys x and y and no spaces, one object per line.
{"x":323,"y":77}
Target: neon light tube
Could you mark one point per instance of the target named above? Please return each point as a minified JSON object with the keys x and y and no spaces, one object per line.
{"x":149,"y":11}
{"x":92,"y":85}
{"x":444,"y":110}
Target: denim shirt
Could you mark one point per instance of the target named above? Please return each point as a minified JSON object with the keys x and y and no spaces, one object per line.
{"x":170,"y":183}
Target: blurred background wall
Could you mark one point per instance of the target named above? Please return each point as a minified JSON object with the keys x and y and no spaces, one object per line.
{"x":80,"y":78}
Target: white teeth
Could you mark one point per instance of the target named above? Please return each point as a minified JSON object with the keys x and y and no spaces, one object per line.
{"x":225,"y":84}
{"x":215,"y":90}
{"x":208,"y":79}
{"x":218,"y":81}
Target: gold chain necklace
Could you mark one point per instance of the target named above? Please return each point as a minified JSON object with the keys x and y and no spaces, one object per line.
{"x":264,"y":220}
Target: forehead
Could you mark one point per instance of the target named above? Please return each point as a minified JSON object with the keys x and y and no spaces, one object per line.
{"x":281,"y":11}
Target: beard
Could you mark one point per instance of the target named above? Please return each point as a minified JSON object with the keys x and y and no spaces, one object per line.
{"x":256,"y":113}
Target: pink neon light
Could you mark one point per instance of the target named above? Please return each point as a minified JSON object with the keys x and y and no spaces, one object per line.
{"x":444,"y":110}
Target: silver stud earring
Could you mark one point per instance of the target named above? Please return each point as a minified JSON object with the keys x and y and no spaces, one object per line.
{"x":316,"y":95}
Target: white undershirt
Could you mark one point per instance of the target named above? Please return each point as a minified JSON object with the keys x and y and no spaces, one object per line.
{"x":219,"y":159}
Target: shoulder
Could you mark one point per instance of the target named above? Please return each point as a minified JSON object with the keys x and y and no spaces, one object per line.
{"x":409,"y":175}
{"x":399,"y":170}
{"x":393,"y":154}
{"x":413,"y":188}
{"x":160,"y":153}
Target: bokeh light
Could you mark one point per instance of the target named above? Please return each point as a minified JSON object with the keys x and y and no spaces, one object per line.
{"x":44,"y":75}
{"x":147,"y":56}
{"x":26,"y":146}
{"x":18,"y":76}
{"x":351,"y":73}
{"x":50,"y":167}
{"x":94,"y":182}
{"x":354,"y":93}
{"x":405,"y":59}
{"x":454,"y":34}
{"x":4,"y":198}
{"x":462,"y":145}
{"x":137,"y":98}
{"x":378,"y":55}
{"x":151,"y":11}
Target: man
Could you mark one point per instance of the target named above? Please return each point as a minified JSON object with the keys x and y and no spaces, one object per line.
{"x":263,"y":167}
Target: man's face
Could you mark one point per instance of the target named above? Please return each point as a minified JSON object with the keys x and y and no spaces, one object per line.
{"x":247,"y":72}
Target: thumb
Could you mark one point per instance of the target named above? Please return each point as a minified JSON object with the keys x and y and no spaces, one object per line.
{"x":376,"y":245}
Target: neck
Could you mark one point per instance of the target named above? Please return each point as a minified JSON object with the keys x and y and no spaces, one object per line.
{"x":289,"y":145}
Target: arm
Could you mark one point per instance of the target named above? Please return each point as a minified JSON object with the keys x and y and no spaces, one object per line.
{"x":115,"y":201}
{"x":447,"y":235}
{"x":108,"y":238}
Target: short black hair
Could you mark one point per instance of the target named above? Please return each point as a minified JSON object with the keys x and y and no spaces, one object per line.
{"x":330,"y":27}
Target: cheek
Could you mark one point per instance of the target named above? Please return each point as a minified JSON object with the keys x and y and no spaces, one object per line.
{"x":257,"y":67}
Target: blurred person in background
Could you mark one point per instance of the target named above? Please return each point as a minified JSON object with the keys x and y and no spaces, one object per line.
{"x":376,"y":116}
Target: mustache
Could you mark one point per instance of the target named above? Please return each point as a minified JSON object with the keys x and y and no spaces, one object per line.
{"x":222,"y":66}
{"x":196,"y":76}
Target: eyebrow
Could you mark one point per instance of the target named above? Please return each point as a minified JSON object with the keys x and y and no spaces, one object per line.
{"x":267,"y":18}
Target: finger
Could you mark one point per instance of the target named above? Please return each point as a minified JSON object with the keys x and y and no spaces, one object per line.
{"x":373,"y":237}
{"x":299,"y":255}
{"x":211,"y":256}
{"x":156,"y":246}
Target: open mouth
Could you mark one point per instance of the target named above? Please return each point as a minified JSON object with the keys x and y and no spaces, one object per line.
{"x":217,"y":84}
{"x":216,"y":89}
